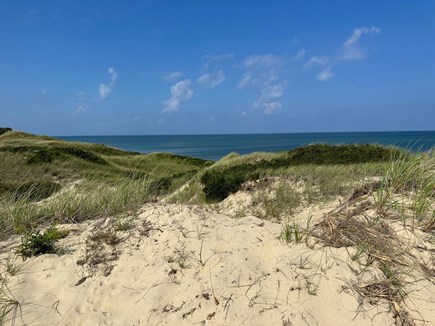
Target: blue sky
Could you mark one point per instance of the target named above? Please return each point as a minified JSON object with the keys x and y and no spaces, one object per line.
{"x":198,"y":67}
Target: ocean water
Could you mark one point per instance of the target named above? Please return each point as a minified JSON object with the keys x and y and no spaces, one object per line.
{"x":214,"y":147}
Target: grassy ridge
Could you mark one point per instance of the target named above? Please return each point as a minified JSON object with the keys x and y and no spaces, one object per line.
{"x":226,"y":177}
{"x":44,"y":179}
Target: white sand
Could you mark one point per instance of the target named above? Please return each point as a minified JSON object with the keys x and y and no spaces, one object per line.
{"x":199,"y":267}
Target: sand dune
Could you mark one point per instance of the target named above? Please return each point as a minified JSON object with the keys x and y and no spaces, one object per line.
{"x":191,"y":265}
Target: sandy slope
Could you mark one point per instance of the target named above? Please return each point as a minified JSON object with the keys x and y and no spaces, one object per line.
{"x":187,"y":265}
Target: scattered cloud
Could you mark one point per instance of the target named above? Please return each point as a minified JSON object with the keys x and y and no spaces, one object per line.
{"x":351,"y":50}
{"x":80,"y":109}
{"x":263,"y":73}
{"x":301,"y":54}
{"x":82,"y":100}
{"x":325,"y":74}
{"x":315,"y":61}
{"x":244,"y":81}
{"x":107,"y":90}
{"x":212,"y":80}
{"x":215,"y":58}
{"x":263,"y":61}
{"x":172,"y":76}
{"x":267,"y":98}
{"x":271,"y":107}
{"x":180,"y":92}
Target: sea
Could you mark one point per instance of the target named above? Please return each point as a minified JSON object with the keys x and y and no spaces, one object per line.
{"x":214,"y":147}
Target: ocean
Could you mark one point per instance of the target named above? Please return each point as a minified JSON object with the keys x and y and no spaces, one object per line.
{"x":214,"y":147}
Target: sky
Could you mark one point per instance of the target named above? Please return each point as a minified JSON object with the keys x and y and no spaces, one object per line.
{"x":216,"y":67}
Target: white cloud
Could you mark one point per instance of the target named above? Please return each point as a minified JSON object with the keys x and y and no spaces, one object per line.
{"x":173,"y":75}
{"x":244,"y":81}
{"x":325,"y":74}
{"x":263,"y":73}
{"x":212,"y":80}
{"x":80,"y":109}
{"x":263,"y":61}
{"x":301,"y":54}
{"x":215,"y":58}
{"x":107,"y":90}
{"x":180,"y":92}
{"x":315,"y":61}
{"x":82,"y":101}
{"x":267,"y":98}
{"x":351,"y":51}
{"x":271,"y":107}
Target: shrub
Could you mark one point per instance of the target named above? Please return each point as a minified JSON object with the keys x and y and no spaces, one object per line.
{"x":4,"y":130}
{"x":48,"y":155}
{"x":35,"y":243}
{"x":219,"y":182}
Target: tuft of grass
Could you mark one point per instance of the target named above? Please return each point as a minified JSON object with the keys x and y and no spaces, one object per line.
{"x":293,"y":233}
{"x":11,"y":266}
{"x":9,"y":305}
{"x":411,"y":175}
{"x":282,"y":201}
{"x":35,"y":243}
{"x":36,"y":190}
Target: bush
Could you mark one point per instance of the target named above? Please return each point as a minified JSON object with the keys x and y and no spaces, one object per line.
{"x":4,"y":130}
{"x":219,"y":182}
{"x":48,"y":155}
{"x":341,"y":154}
{"x":36,"y":190}
{"x":35,"y":243}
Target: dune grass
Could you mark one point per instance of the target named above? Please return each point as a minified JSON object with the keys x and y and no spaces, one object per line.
{"x":45,"y":180}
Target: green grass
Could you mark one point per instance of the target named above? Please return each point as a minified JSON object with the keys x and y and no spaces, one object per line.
{"x":412,"y":176}
{"x":45,"y":180}
{"x":226,"y":177}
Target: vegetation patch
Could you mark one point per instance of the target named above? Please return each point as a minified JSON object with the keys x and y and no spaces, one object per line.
{"x":34,"y":243}
{"x":36,"y":190}
{"x":4,"y":130}
{"x":223,"y":179}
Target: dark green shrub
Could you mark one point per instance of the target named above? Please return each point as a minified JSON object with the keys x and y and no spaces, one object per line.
{"x":35,"y":243}
{"x":323,"y":154}
{"x":36,"y":190}
{"x":38,"y":154}
{"x":4,"y":130}
{"x":221,"y":182}
{"x":82,"y":154}
{"x":43,"y":155}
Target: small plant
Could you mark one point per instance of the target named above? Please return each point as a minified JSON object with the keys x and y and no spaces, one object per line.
{"x":35,"y":243}
{"x":292,"y":233}
{"x":9,"y":305}
{"x":311,"y":287}
{"x":11,"y":266}
{"x":122,"y":224}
